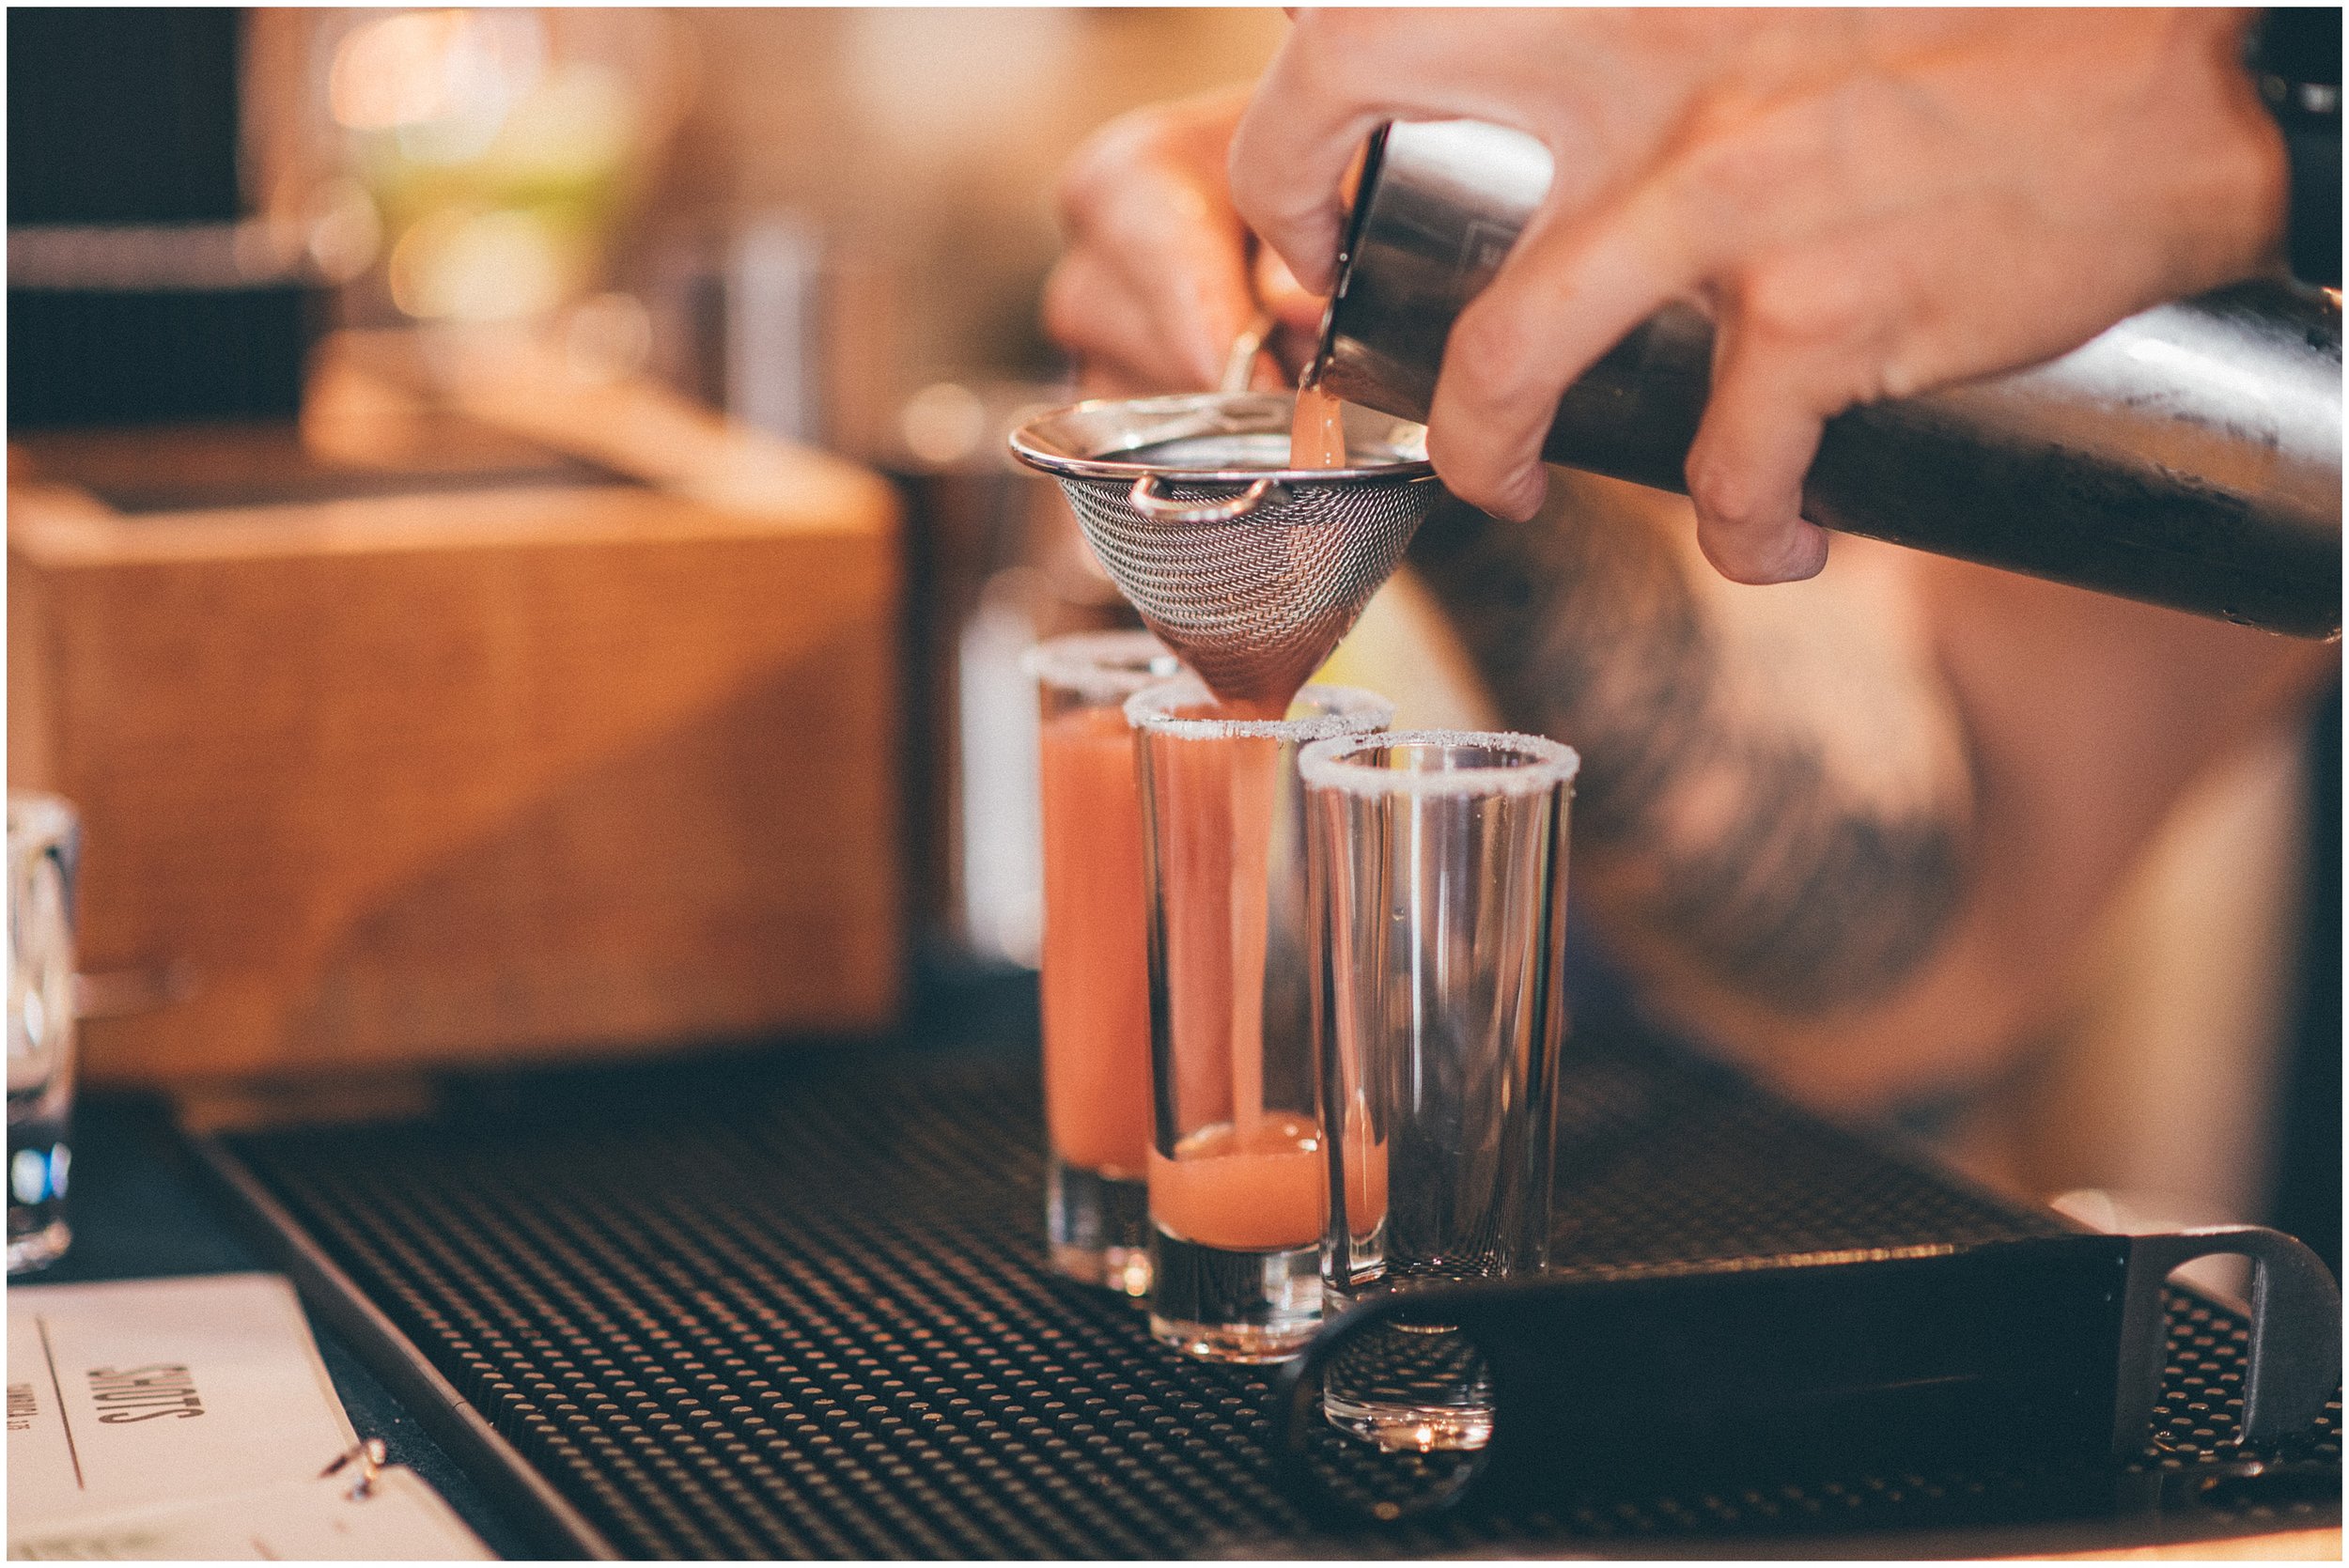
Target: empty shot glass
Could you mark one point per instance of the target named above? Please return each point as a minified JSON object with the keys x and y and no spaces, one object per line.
{"x":1238,"y":1172}
{"x":43,"y":843}
{"x":1095,"y":982}
{"x":1439,"y":869}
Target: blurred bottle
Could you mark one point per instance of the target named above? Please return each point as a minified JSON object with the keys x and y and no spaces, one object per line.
{"x":771,"y":319}
{"x":995,"y":565}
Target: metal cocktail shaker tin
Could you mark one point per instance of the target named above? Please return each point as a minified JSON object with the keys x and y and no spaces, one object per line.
{"x":2189,"y":457}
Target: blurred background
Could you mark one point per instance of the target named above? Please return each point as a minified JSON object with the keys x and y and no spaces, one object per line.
{"x":417,"y":237}
{"x":512,"y":555}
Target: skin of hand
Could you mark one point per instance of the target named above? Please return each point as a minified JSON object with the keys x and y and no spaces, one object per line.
{"x":1158,"y":274}
{"x":1870,"y":203}
{"x":1851,"y":830}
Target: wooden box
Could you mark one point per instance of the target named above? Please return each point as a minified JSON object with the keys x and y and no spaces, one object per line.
{"x":584,"y":758}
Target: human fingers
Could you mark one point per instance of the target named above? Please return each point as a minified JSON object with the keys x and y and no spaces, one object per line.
{"x":1754,"y":446}
{"x":1591,"y":266}
{"x":1292,"y":304}
{"x":1112,"y":335}
{"x":1182,"y":266}
{"x":1570,"y":290}
{"x":1295,"y":314}
{"x":1098,"y":379}
{"x":1601,"y":87}
{"x":1309,"y":115}
{"x":1152,"y":235}
{"x":1801,"y":336}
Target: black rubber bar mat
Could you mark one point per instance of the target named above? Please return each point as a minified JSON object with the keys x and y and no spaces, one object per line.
{"x":796,"y":1308}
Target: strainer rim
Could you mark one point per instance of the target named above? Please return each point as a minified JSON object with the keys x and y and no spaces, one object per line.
{"x":1061,"y":465}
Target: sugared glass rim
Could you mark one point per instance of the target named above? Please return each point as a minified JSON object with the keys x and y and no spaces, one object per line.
{"x":1100,"y":666}
{"x":1345,"y":710}
{"x":1529,"y":763}
{"x":38,"y":815}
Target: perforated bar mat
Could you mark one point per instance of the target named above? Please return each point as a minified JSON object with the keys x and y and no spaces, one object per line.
{"x":798,"y":1308}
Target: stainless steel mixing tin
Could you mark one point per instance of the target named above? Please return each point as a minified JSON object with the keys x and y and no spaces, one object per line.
{"x":2189,"y":457}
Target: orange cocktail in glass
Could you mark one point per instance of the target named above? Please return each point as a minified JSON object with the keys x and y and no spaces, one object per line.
{"x":1096,"y":989}
{"x":1238,"y":1174}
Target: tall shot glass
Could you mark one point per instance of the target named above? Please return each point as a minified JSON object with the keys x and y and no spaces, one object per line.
{"x":1096,"y":984}
{"x":1439,"y":869}
{"x":1238,"y":1194}
{"x":45,"y":845}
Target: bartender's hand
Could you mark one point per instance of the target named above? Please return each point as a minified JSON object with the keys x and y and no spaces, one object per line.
{"x":1872,"y":203}
{"x":1159,"y":275}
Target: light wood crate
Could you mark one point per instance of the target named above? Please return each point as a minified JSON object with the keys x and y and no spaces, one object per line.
{"x":475,"y":773}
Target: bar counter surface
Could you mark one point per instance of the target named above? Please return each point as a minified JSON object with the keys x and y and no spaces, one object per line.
{"x":777,"y":1302}
{"x":138,"y":1211}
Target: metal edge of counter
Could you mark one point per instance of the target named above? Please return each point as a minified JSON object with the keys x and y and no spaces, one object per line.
{"x":494,"y":1463}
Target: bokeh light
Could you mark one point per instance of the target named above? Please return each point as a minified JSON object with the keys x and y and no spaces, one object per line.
{"x":492,"y":162}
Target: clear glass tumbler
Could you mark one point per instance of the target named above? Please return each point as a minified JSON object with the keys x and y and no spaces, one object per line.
{"x":43,"y":843}
{"x":1238,"y":1184}
{"x":1096,"y":982}
{"x":1439,"y":869}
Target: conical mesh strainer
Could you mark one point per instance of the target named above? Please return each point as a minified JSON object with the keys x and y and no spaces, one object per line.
{"x":1249,"y":570}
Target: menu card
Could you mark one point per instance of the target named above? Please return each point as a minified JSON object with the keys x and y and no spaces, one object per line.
{"x":192,"y":1418}
{"x":322,"y":1519}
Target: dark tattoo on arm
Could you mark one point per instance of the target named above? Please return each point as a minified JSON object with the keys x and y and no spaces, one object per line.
{"x":1751,"y":860}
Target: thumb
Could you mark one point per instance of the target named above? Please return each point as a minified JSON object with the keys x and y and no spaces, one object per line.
{"x":1288,"y":161}
{"x":1291,"y":304}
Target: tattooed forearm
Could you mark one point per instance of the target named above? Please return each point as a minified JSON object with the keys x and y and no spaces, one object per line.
{"x":1734,"y":821}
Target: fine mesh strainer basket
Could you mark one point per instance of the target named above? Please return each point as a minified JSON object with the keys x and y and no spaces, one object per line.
{"x":1249,"y":570}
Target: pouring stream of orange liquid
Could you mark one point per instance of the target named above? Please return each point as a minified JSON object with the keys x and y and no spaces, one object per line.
{"x":1318,"y":434}
{"x":1257,"y":1182}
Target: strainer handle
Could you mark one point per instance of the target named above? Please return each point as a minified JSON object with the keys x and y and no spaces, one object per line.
{"x":1239,"y":367}
{"x":1146,"y":500}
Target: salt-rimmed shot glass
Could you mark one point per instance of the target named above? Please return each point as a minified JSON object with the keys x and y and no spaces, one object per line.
{"x":1239,"y":1191}
{"x":1438,"y":870}
{"x":1095,"y":982}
